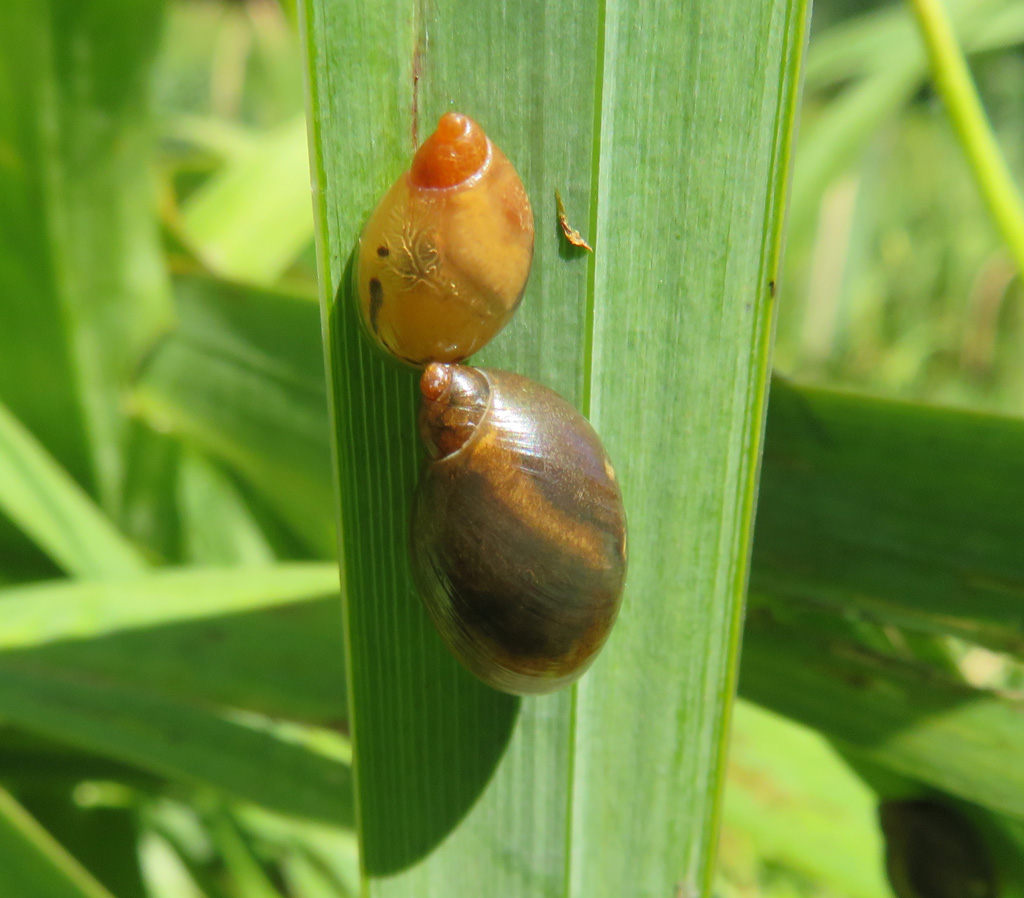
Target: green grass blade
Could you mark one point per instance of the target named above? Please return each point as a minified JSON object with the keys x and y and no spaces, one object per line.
{"x":31,"y":761}
{"x":332,"y":852}
{"x":38,"y":495}
{"x":89,"y":288}
{"x":45,"y":613}
{"x":267,"y":639}
{"x":811,"y":664}
{"x":867,"y":504}
{"x":695,"y":396}
{"x":103,"y":838}
{"x":34,"y":864}
{"x":460,"y":790}
{"x":867,"y":43}
{"x":176,"y":739}
{"x":251,"y":219}
{"x":284,"y":661}
{"x":241,"y":379}
{"x":792,"y":803}
{"x":171,"y":872}
{"x":243,"y":867}
{"x":33,"y":337}
{"x":953,"y":82}
{"x":432,"y":735}
{"x":218,"y":527}
{"x":830,"y":144}
{"x":882,"y":57}
{"x":177,"y":856}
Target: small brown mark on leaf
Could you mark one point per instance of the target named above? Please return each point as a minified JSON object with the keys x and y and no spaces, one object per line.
{"x":383,"y":252}
{"x":571,"y":234}
{"x":417,"y":66}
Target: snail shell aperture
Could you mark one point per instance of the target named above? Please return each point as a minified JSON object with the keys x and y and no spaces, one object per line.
{"x":444,"y":258}
{"x":518,"y":529}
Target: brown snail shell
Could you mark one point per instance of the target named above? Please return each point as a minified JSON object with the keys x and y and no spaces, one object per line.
{"x":444,"y":258}
{"x":518,"y":529}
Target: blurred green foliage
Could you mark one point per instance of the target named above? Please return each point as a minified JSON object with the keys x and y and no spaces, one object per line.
{"x":896,"y":281}
{"x":139,"y":407}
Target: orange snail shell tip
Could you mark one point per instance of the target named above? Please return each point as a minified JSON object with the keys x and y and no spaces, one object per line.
{"x":445,"y":256}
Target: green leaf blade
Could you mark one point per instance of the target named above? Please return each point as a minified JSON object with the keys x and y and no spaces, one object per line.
{"x":95,"y":290}
{"x":39,"y":614}
{"x":44,"y":500}
{"x":692,"y":239}
{"x":865,"y":504}
{"x":482,"y":793}
{"x":241,"y":377}
{"x":177,"y":739}
{"x":251,"y":220}
{"x":897,"y":712}
{"x":35,"y":864}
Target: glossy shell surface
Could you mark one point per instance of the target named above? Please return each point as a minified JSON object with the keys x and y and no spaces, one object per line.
{"x":444,"y":258}
{"x":519,"y":534}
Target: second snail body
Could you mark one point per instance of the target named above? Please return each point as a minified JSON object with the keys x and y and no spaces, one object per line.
{"x":444,"y":258}
{"x":518,"y":529}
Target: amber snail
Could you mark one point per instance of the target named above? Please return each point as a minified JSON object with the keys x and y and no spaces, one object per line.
{"x":444,"y":258}
{"x":518,"y":530}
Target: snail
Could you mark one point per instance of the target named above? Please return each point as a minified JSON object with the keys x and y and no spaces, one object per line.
{"x":444,"y":258}
{"x":518,"y":530}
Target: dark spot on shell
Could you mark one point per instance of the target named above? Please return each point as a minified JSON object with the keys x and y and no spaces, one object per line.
{"x":383,"y":252}
{"x":376,"y":301}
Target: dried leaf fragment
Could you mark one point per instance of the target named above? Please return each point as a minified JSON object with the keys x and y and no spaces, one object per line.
{"x":571,"y":234}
